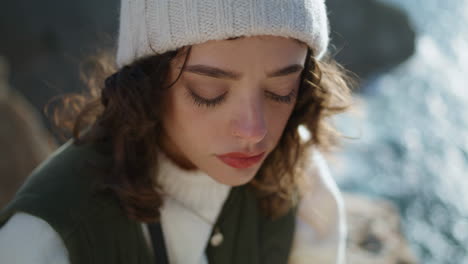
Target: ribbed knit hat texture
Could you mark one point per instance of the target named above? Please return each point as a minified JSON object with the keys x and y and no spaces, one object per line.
{"x":149,"y":26}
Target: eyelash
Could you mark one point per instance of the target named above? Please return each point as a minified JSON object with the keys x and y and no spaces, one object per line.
{"x":200,"y":101}
{"x":282,"y":99}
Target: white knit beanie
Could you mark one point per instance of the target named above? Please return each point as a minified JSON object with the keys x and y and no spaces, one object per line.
{"x":149,"y":26}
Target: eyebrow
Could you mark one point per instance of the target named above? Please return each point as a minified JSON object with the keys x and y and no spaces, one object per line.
{"x":231,"y":75}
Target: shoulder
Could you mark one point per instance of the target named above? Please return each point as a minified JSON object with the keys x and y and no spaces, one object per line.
{"x":63,"y":193}
{"x":28,"y":239}
{"x":321,"y":223}
{"x":62,"y":189}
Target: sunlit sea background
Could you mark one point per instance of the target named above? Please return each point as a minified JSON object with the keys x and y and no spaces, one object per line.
{"x":413,"y":129}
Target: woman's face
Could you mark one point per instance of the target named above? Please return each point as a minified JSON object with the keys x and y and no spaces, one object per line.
{"x":233,"y":96}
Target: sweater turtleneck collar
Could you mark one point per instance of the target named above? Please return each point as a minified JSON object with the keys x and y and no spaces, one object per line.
{"x":192,"y":203}
{"x":193,"y":188}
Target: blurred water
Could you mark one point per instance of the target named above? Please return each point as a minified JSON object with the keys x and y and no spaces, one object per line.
{"x":413,"y":146}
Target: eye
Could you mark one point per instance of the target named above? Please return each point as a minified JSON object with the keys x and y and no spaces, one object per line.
{"x":287,"y":99}
{"x":201,"y":101}
{"x":205,"y":102}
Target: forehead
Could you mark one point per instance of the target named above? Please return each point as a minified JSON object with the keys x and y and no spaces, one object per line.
{"x":244,"y":50}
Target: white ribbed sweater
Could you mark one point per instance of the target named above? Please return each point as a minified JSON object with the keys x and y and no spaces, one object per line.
{"x":319,"y":237}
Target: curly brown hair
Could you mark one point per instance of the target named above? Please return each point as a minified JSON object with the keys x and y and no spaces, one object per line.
{"x":124,"y":106}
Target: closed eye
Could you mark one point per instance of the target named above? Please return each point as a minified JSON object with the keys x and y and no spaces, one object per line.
{"x":201,"y":101}
{"x":282,"y":98}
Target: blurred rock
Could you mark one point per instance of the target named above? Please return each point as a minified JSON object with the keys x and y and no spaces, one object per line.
{"x":374,"y":233}
{"x":370,"y":36}
{"x":47,"y":40}
{"x":24,"y":141}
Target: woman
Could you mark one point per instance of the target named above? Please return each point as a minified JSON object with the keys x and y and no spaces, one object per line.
{"x":190,"y":152}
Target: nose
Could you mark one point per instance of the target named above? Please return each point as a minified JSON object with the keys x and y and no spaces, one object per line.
{"x":250,"y":124}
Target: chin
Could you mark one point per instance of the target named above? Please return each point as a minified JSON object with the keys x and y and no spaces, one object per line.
{"x":236,"y":179}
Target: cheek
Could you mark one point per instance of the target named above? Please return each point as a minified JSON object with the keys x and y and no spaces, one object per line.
{"x":277,"y":118}
{"x":187,"y":119}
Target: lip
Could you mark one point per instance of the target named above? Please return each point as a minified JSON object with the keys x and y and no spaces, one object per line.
{"x":241,"y":160}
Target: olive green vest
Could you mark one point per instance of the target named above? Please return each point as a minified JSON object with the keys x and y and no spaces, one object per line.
{"x":95,"y":229}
